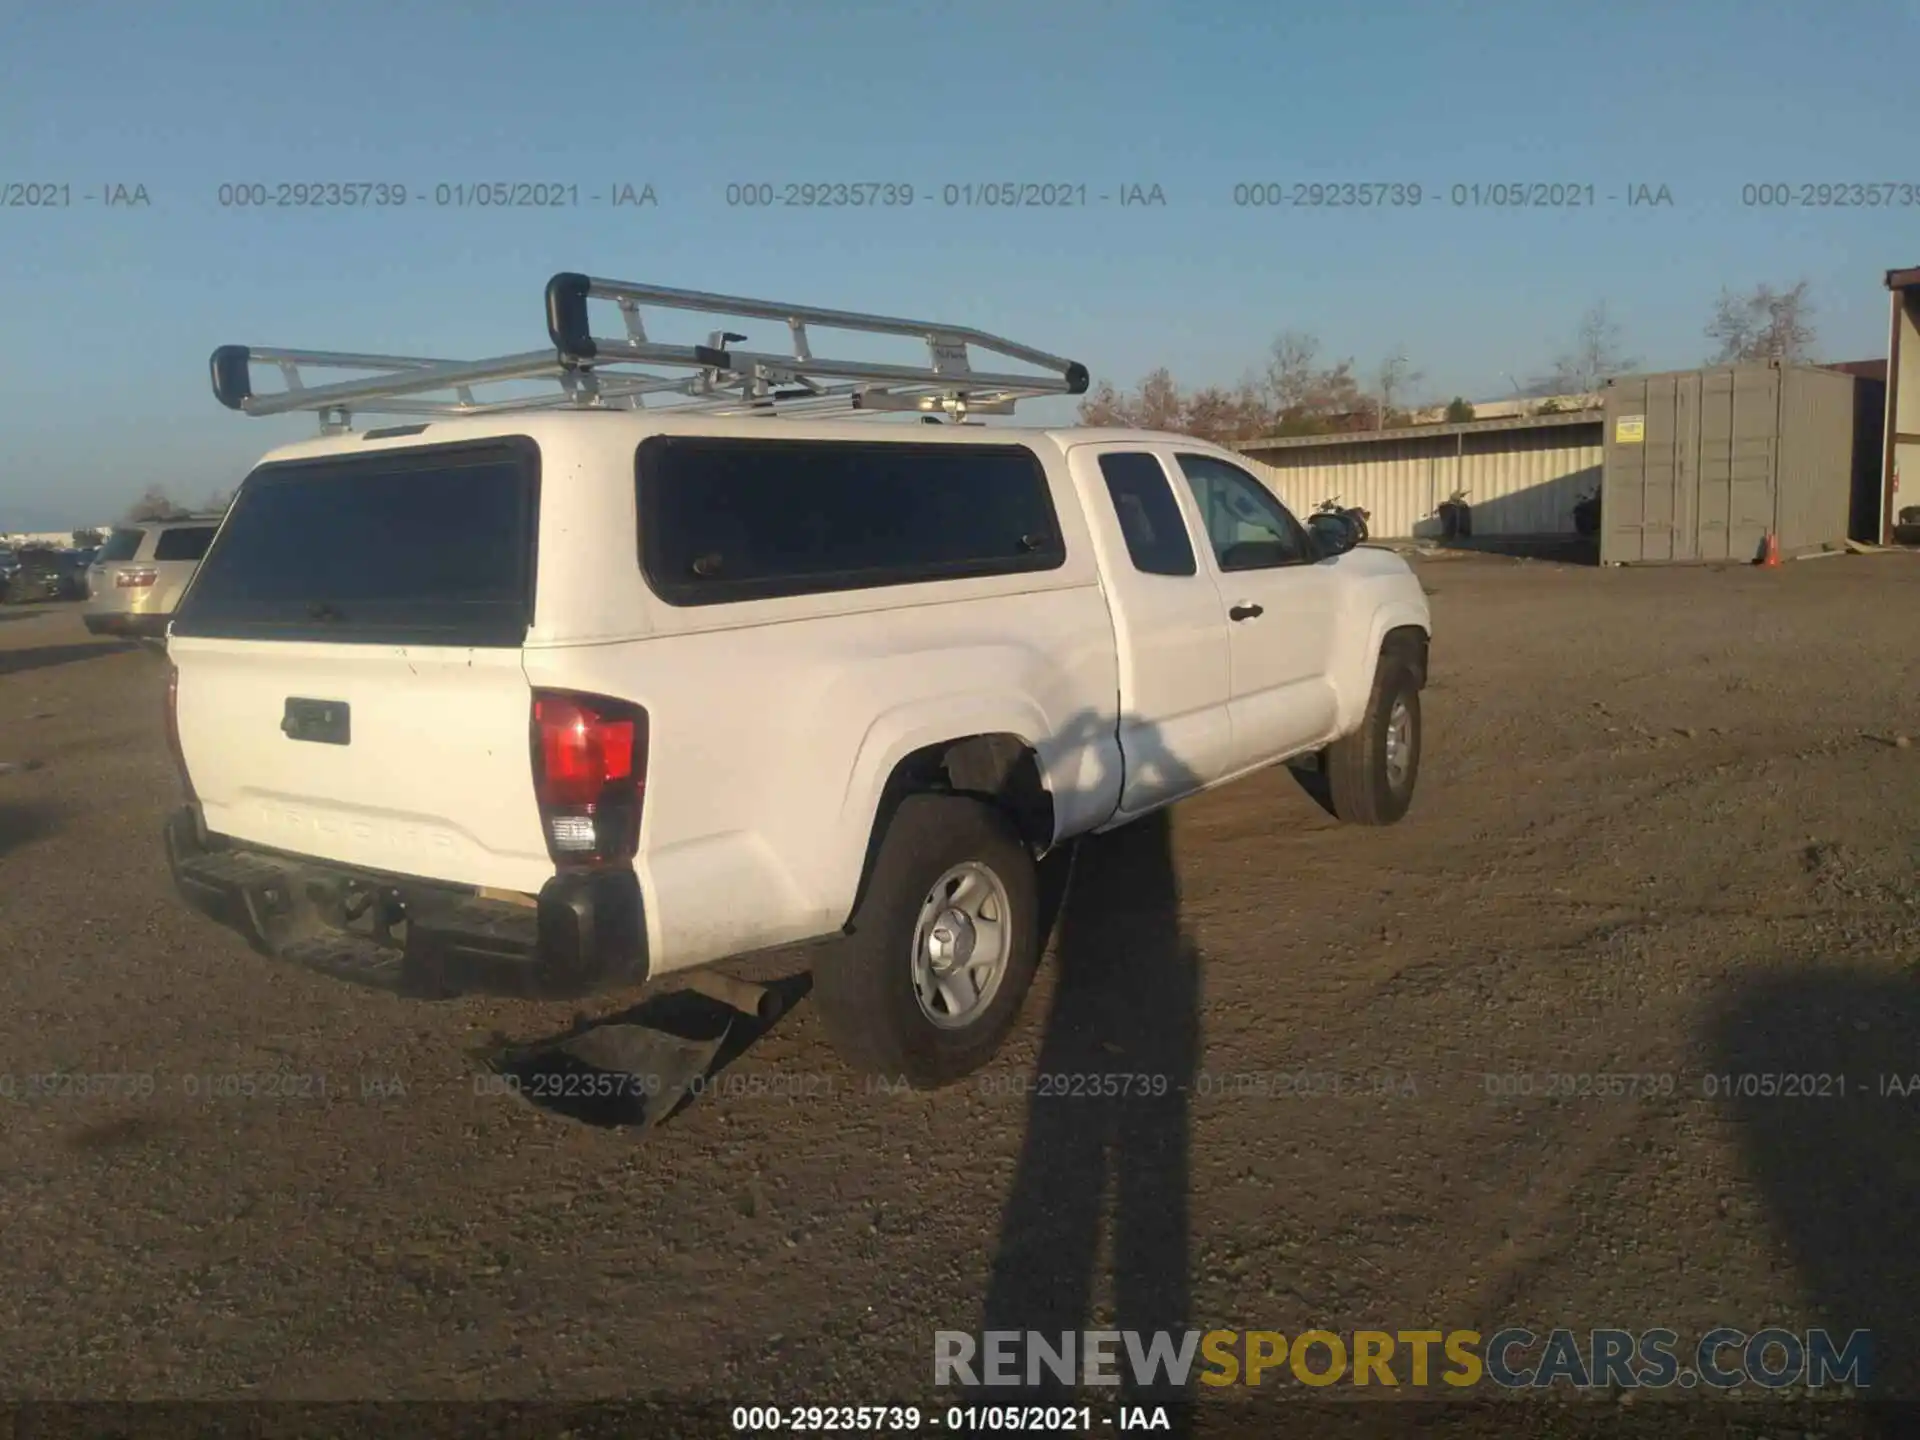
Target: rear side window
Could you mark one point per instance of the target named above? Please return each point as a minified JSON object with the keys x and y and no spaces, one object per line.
{"x":1150,"y":517}
{"x":427,"y":546}
{"x":188,"y":542}
{"x":121,"y":545}
{"x":725,"y":520}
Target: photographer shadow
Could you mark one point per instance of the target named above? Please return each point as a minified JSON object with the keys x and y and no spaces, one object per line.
{"x":1107,"y":1142}
{"x":1837,"y":1164}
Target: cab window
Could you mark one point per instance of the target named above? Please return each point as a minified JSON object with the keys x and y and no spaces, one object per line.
{"x":1247,"y":525}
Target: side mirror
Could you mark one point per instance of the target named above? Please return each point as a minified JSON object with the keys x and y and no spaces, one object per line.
{"x":1334,"y":534}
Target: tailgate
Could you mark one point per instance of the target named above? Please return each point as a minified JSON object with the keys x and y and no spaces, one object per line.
{"x":414,"y":760}
{"x":349,"y":675}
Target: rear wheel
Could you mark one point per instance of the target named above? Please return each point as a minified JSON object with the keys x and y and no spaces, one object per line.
{"x":1371,"y":773}
{"x":943,"y":947}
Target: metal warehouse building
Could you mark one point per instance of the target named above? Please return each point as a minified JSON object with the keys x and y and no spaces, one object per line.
{"x":1901,"y":438}
{"x":1521,"y":477}
{"x":1690,"y":465}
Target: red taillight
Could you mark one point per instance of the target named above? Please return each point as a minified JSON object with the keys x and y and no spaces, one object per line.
{"x":173,"y":730}
{"x":589,"y":776}
{"x":135,"y":579}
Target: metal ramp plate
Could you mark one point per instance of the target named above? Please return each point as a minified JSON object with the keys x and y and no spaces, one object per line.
{"x":633,"y":1071}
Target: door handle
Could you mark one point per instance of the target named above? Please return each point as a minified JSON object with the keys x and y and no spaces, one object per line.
{"x":1245,"y":612}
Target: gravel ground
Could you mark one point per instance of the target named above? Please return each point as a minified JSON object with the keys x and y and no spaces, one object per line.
{"x":1668,"y":827}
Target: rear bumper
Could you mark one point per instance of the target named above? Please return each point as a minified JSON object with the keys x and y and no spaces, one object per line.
{"x":120,"y":622}
{"x":586,"y":933}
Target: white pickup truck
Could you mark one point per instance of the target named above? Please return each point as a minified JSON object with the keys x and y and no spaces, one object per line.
{"x":553,"y":700}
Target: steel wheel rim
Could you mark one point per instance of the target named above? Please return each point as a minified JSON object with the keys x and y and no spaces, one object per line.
{"x":1399,"y":744}
{"x":961,"y":944}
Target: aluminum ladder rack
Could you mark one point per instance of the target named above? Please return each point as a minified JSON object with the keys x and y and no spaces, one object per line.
{"x":596,"y":372}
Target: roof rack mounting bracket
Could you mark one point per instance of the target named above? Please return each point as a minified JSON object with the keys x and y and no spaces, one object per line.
{"x":586,"y":371}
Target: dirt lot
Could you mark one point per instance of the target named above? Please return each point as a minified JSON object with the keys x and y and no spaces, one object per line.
{"x":1664,"y":830}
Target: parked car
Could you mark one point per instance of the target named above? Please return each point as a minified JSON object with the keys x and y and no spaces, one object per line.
{"x":139,"y":574}
{"x":39,"y":573}
{"x":73,"y":573}
{"x":552,"y":702}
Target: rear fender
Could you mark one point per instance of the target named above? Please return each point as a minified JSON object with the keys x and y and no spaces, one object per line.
{"x":935,"y":721}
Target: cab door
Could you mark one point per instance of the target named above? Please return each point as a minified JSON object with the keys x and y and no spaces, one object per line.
{"x":1176,"y":735}
{"x":1280,"y":602}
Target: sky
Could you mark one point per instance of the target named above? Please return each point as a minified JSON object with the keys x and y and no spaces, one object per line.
{"x":108,"y":311}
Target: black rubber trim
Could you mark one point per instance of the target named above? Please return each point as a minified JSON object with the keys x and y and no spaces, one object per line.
{"x":120,"y":622}
{"x":232,"y":377}
{"x":1077,"y":378}
{"x":588,"y":932}
{"x":567,"y":316}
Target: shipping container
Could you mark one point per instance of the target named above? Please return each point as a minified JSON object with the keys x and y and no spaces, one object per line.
{"x":1702,"y":465}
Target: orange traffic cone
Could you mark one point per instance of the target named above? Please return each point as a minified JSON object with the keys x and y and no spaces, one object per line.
{"x":1770,"y":552}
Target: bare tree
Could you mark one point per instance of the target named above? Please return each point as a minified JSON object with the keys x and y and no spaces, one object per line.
{"x":1292,"y":375}
{"x":1392,"y":381}
{"x":1307,"y":397}
{"x":154,"y":504}
{"x":217,"y":503}
{"x":1763,"y":324}
{"x":1294,"y":395}
{"x":1225,"y":415}
{"x":1156,"y":405}
{"x":1228,"y":415}
{"x":1596,"y":354}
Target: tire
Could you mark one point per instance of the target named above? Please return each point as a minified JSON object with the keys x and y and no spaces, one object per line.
{"x":1363,"y":787}
{"x":869,"y":987}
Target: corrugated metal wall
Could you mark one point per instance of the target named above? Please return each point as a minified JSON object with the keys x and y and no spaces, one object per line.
{"x":1518,"y":482}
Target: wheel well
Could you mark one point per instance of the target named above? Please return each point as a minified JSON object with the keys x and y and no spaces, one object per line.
{"x":1002,"y":770}
{"x":1408,"y":643}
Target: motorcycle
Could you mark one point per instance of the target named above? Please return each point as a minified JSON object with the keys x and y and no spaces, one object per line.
{"x":1355,"y":518}
{"x":1586,"y":514}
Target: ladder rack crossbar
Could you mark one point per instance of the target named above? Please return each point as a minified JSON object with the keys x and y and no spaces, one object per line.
{"x":595,"y":372}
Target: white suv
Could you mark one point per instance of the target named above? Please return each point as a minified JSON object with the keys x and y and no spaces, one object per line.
{"x":547,"y":702}
{"x":139,"y":574}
